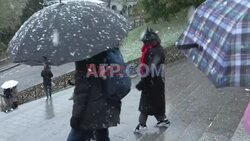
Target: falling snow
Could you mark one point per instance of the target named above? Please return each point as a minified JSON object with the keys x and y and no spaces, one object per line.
{"x":38,"y":47}
{"x":55,"y":38}
{"x":72,"y":53}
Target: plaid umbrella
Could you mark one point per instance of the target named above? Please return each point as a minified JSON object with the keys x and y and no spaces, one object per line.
{"x":222,"y":29}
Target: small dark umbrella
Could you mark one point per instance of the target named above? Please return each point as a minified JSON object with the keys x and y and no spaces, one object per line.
{"x":67,"y":32}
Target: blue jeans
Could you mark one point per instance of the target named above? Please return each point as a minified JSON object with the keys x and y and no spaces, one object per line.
{"x":86,"y":135}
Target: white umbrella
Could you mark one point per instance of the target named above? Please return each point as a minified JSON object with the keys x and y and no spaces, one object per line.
{"x":9,"y":84}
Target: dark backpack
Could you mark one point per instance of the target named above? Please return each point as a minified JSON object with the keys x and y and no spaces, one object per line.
{"x":117,"y":86}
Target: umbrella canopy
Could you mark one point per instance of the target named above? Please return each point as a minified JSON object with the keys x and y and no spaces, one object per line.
{"x":95,"y":1}
{"x":67,"y":32}
{"x":222,"y":29}
{"x":50,"y":2}
{"x":9,"y":84}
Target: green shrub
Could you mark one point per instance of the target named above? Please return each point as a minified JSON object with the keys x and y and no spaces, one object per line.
{"x":31,"y":7}
{"x":6,"y":34}
{"x":162,"y":9}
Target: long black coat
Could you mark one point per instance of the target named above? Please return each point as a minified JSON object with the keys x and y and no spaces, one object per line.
{"x":94,"y":110}
{"x":152,"y":100}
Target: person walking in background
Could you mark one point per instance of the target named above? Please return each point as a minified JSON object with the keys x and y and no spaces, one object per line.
{"x":152,"y":100}
{"x":8,"y":99}
{"x":10,"y":95}
{"x":47,"y":84}
{"x":14,"y":97}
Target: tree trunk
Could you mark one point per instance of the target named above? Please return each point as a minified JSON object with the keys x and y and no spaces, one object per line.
{"x":109,"y":3}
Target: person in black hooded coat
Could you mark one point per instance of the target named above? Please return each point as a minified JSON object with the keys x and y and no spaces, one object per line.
{"x":152,"y":100}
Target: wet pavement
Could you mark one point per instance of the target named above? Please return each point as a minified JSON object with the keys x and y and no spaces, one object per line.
{"x":197,"y":110}
{"x":240,"y":133}
{"x":7,"y":67}
{"x":28,"y":76}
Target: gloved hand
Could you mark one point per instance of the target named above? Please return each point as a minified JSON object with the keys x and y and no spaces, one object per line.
{"x":75,"y":122}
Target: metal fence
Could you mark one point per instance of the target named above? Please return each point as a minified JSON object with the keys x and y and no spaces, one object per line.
{"x":136,"y":22}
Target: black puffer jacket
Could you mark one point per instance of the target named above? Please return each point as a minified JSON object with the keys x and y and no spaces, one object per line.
{"x":90,"y":107}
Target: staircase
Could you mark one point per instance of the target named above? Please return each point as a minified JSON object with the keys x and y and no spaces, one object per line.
{"x":198,"y":111}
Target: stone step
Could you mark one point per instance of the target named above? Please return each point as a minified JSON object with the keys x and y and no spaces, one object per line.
{"x":240,"y":133}
{"x":197,"y":110}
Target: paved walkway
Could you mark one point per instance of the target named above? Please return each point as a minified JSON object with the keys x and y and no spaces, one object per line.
{"x":197,"y":110}
{"x":29,"y":76}
{"x":240,"y":134}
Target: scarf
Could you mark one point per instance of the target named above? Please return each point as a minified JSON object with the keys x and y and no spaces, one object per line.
{"x":144,"y":51}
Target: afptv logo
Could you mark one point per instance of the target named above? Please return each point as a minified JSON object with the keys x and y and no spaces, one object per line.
{"x":116,"y":70}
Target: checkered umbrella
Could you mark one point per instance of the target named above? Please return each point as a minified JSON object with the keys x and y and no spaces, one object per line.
{"x":222,"y":29}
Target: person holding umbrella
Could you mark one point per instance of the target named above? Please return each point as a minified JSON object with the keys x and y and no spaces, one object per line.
{"x":10,"y":94}
{"x":8,"y":99}
{"x":92,"y":111}
{"x":14,"y":97}
{"x":152,"y":100}
{"x":47,"y":84}
{"x":69,"y":38}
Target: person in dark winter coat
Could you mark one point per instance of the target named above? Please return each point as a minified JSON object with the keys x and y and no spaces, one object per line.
{"x":152,"y":100}
{"x":92,"y":112}
{"x":8,"y":99}
{"x":47,"y":84}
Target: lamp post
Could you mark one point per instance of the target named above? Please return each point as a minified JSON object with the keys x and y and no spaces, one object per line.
{"x":109,"y":3}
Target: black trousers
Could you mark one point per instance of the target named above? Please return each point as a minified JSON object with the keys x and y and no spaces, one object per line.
{"x":47,"y":89}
